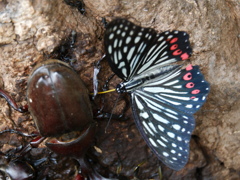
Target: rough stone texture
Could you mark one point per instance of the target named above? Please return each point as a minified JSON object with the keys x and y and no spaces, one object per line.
{"x":33,"y":31}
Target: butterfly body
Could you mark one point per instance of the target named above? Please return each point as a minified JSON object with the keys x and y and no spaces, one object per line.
{"x":163,"y":95}
{"x":138,"y":81}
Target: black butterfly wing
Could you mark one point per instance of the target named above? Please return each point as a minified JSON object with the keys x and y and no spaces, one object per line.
{"x":131,"y":49}
{"x":163,"y":111}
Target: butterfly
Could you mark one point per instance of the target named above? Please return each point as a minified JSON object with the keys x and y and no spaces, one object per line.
{"x":164,"y":95}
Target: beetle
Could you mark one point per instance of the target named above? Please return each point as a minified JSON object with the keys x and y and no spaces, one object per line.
{"x":16,"y":169}
{"x":60,"y":106}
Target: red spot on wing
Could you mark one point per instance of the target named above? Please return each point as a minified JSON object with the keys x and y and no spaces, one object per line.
{"x":174,"y":40}
{"x":173,"y":47}
{"x":187,"y":76}
{"x":193,"y":97}
{"x":184,"y":56}
{"x":190,"y":85}
{"x":177,"y":52}
{"x":196,"y":91}
{"x":189,"y":67}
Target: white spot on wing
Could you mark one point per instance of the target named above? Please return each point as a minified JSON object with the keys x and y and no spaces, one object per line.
{"x":137,"y":39}
{"x":177,"y":127}
{"x":161,"y":143}
{"x":147,"y":128}
{"x":120,"y":43}
{"x":160,"y":38}
{"x":144,"y":115}
{"x":159,"y":118}
{"x":152,"y":142}
{"x":179,"y":138}
{"x":115,"y":43}
{"x":171,"y":135}
{"x":128,"y":40}
{"x":165,"y":154}
{"x":120,"y":55}
{"x":189,"y":106}
{"x":111,"y":36}
{"x":110,"y":49}
{"x":130,"y":53}
{"x":171,"y":116}
{"x":121,"y":65}
{"x":124,"y":71}
{"x":152,"y":127}
{"x":163,"y":138}
{"x":125,"y":49}
{"x":177,"y":87}
{"x":170,"y":111}
{"x":171,"y":83}
{"x":160,"y":128}
{"x":139,"y":105}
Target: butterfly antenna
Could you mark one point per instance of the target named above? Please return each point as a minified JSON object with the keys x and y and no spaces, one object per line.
{"x":104,"y":92}
{"x":112,"y":113}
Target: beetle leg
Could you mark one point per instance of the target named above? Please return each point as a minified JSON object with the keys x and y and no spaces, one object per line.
{"x":12,"y":103}
{"x":12,"y":131}
{"x":89,"y":172}
{"x":35,"y":142}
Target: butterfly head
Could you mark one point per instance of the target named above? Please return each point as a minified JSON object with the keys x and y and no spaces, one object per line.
{"x":121,"y":88}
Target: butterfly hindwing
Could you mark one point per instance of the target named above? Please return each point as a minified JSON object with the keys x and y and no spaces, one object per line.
{"x":164,"y":130}
{"x":131,"y":49}
{"x":163,"y":111}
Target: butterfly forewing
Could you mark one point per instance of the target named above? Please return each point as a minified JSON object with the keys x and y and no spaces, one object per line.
{"x":131,"y":49}
{"x":185,"y":90}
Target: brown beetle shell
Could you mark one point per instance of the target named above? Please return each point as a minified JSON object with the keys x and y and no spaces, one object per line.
{"x":58,"y":100}
{"x":76,"y":148}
